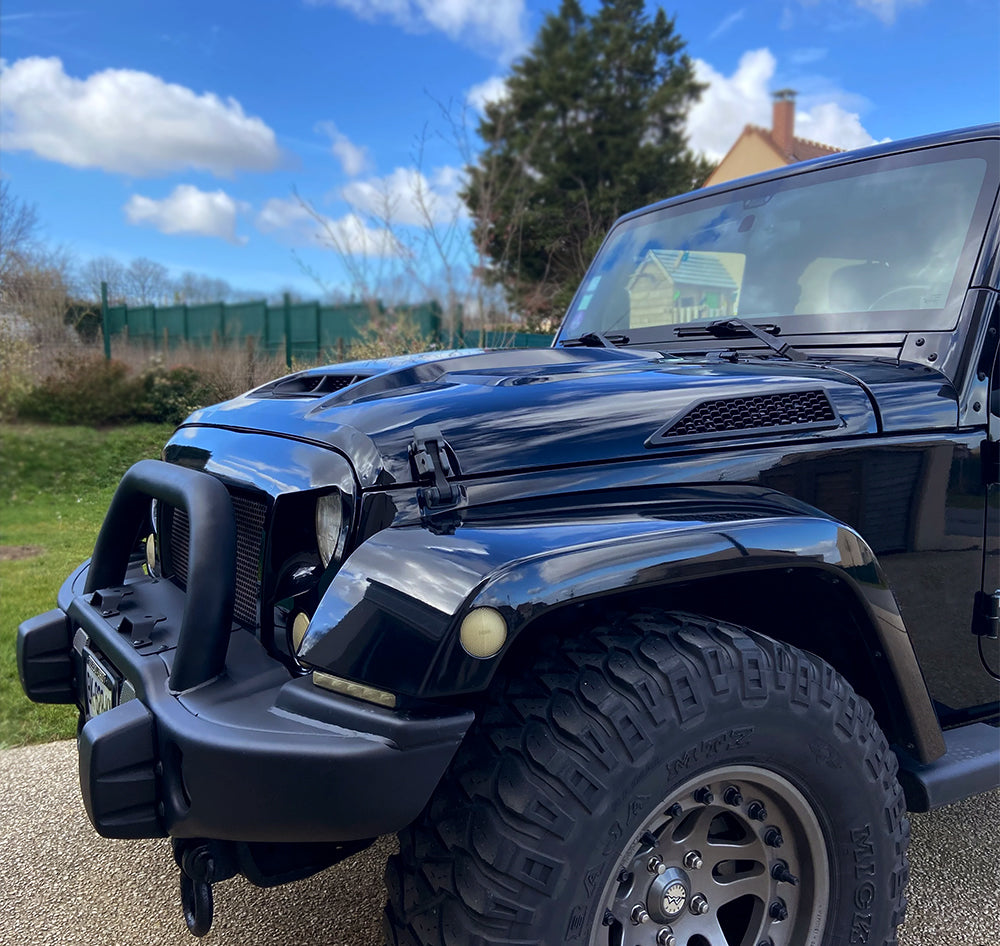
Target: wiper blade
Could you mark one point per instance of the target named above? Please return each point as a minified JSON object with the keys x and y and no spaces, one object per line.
{"x":737,"y":328}
{"x":596,"y":340}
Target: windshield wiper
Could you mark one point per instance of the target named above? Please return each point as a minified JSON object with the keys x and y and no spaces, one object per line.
{"x":737,"y":328}
{"x":596,"y":340}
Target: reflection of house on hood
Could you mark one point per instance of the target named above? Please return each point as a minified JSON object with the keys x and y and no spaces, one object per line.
{"x":678,"y":286}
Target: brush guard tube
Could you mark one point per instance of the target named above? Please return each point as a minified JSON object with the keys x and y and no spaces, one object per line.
{"x":208,"y":610}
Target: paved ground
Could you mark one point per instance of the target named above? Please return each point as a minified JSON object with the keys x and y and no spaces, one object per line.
{"x":62,"y":884}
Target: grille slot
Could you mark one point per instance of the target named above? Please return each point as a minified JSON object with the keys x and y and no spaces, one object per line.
{"x":787,"y":411}
{"x":250,"y":515}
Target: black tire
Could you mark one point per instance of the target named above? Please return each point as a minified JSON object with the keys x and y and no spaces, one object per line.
{"x":585,"y":786}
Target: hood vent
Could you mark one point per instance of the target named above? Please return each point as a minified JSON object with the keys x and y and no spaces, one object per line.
{"x":308,"y":385}
{"x":787,"y":412}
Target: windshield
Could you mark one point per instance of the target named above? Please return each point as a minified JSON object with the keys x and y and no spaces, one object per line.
{"x":885,"y":244}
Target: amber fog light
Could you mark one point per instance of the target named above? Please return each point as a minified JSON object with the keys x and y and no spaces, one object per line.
{"x":151,"y":555}
{"x":483,"y":632}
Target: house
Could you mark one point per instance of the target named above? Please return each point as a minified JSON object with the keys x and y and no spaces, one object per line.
{"x":671,"y":286}
{"x":758,"y":149}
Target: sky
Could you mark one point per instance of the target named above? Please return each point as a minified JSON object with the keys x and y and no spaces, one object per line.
{"x":192,"y":133}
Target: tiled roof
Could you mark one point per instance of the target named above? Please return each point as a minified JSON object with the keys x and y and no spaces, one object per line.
{"x":694,"y":270}
{"x":802,"y":148}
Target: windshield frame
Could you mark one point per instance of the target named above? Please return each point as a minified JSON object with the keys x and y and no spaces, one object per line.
{"x":827,"y":328}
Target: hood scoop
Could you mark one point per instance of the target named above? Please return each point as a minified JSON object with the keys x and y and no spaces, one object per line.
{"x":307,"y":385}
{"x":787,"y":412}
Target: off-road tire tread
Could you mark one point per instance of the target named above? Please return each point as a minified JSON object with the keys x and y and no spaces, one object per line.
{"x":472,"y":866}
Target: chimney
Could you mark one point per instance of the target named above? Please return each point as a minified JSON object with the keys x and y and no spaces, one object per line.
{"x":783,"y":120}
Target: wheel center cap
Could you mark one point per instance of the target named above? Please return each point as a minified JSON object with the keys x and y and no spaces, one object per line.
{"x":668,"y":895}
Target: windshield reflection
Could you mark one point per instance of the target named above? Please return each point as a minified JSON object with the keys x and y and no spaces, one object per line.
{"x":867,"y":239}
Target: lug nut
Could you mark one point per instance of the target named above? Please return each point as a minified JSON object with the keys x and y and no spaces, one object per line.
{"x":704,"y":796}
{"x":733,"y":796}
{"x":655,"y":866}
{"x":699,"y":905}
{"x":692,"y":860}
{"x":778,"y":910}
{"x":639,"y":914}
{"x":783,"y":875}
{"x":773,"y":837}
{"x":665,"y":937}
{"x":757,"y":811}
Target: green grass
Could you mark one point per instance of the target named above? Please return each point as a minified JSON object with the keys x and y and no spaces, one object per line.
{"x":55,"y":486}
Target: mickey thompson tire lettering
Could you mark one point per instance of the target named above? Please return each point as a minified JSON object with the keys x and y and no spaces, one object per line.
{"x":587,"y":759}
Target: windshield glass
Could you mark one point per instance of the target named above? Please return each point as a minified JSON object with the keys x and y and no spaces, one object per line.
{"x":878,"y":245}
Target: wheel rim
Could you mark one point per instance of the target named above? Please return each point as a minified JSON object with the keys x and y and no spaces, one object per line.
{"x":734,"y":857}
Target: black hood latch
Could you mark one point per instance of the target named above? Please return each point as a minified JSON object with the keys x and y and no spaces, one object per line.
{"x":432,"y":466}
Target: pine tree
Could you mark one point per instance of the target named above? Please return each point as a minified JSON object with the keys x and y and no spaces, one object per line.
{"x":591,"y":126}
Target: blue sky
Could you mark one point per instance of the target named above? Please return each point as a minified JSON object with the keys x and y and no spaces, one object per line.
{"x":183,"y":131}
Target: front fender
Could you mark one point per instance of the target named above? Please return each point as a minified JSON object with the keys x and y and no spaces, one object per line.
{"x":391,"y":615}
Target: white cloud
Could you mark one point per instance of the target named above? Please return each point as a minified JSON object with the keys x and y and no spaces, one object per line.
{"x":127,"y":121}
{"x":189,"y":210}
{"x":493,"y":89}
{"x":837,"y":14}
{"x":830,"y":124}
{"x":354,"y":159}
{"x":827,"y":115}
{"x":730,"y":102}
{"x":727,"y":23}
{"x":886,"y":10}
{"x":807,"y":55}
{"x":407,"y":197}
{"x":496,"y":24}
{"x":290,"y":221}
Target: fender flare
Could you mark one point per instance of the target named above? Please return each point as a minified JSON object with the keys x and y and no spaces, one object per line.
{"x":391,"y":616}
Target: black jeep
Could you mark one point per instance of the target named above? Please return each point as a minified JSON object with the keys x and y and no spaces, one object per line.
{"x":652,"y":637}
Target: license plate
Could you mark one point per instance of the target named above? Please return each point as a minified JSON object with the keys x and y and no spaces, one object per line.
{"x":101,"y":686}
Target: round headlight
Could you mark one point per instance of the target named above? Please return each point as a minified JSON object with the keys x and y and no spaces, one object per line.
{"x":151,"y":559}
{"x":329,"y":525}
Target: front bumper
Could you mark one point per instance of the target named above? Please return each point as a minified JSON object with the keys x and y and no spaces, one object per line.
{"x":249,"y":752}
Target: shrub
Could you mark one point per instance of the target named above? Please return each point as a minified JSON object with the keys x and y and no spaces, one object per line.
{"x":17,"y":364}
{"x":88,"y":390}
{"x":82,"y":389}
{"x":170,"y":394}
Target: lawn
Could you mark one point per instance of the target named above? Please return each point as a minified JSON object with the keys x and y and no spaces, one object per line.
{"x":55,"y":485}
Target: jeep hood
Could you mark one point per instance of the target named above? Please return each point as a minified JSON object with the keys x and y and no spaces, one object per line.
{"x":503,"y":411}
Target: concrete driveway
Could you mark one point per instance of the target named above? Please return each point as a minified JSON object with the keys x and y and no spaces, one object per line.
{"x":62,"y":884}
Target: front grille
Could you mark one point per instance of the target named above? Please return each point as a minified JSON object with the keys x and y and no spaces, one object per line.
{"x":250,"y":517}
{"x":792,"y":410}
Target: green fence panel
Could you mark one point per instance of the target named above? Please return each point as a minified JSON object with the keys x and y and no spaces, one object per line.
{"x":170,"y":326}
{"x":316,"y":330}
{"x":507,"y":340}
{"x":425,"y":318}
{"x":274,"y":329}
{"x":117,"y":319}
{"x":304,"y":324}
{"x":245,"y":320}
{"x":340,"y":326}
{"x":141,"y":322}
{"x":204,"y":322}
